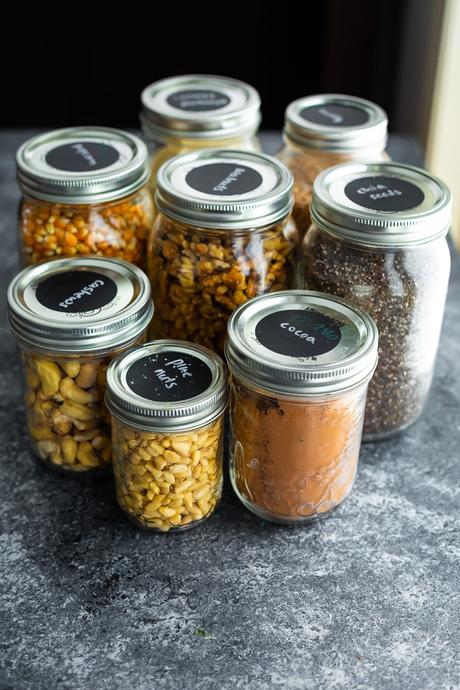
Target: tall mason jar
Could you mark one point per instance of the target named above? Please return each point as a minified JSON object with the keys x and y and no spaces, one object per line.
{"x":198,"y":111}
{"x":300,"y":365}
{"x":324,"y":130}
{"x":70,"y":318}
{"x":84,"y":192}
{"x":223,"y":235}
{"x":167,"y":401}
{"x":378,"y":239}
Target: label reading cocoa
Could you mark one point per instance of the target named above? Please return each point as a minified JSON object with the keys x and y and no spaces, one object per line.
{"x":224,"y":179}
{"x":390,"y":194}
{"x":299,"y":332}
{"x":198,"y":100}
{"x":335,"y":115}
{"x":76,"y":291}
{"x":82,"y":156}
{"x":169,"y":376}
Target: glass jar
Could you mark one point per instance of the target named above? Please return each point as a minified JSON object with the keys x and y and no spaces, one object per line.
{"x":167,"y":401}
{"x":322,"y":131}
{"x":300,"y":364}
{"x":223,"y":235}
{"x":71,"y":317}
{"x":378,"y":240}
{"x":196,"y":111}
{"x":84,"y":192}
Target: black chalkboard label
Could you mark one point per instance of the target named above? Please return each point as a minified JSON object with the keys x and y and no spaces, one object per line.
{"x":169,"y":376}
{"x":390,"y":194}
{"x":299,"y":332}
{"x":82,"y":156}
{"x":76,"y":292}
{"x":224,"y":179}
{"x":198,"y":100}
{"x":335,"y":115}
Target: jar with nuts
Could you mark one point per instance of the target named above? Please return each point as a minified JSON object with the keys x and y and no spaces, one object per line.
{"x":71,"y":317}
{"x":84,"y":192}
{"x":167,"y":400}
{"x":195,"y":111}
{"x":223,"y":236}
{"x":322,"y":131}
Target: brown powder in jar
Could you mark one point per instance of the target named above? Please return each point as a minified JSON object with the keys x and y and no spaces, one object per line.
{"x":294,"y":460}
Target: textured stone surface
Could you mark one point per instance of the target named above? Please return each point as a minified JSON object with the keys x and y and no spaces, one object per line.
{"x":366,"y":599}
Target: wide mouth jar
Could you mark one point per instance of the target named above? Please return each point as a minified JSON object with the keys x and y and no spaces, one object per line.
{"x":300,"y":363}
{"x":336,"y":122}
{"x":199,"y":106}
{"x":167,"y":400}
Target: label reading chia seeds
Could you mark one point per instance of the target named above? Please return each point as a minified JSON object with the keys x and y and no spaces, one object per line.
{"x":169,"y":376}
{"x":335,"y":115}
{"x":198,"y":100}
{"x":76,"y":291}
{"x":298,"y":332}
{"x":380,"y":193}
{"x":224,"y":179}
{"x":82,"y":156}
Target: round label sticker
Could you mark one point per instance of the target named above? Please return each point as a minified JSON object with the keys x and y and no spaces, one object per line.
{"x":299,"y":332}
{"x":82,"y":156}
{"x":169,"y":376}
{"x":384,"y":193}
{"x":76,"y":291}
{"x":335,"y":115}
{"x":224,"y":179}
{"x":198,"y":100}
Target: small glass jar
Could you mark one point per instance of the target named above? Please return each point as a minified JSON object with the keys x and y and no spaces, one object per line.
{"x":84,"y":192}
{"x":71,"y":317}
{"x":192,"y":112}
{"x":167,"y":400}
{"x":377,"y":239}
{"x":322,"y":131}
{"x":223,"y":235}
{"x":300,"y":364}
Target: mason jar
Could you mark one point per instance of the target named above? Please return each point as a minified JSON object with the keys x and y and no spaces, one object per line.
{"x":223,"y":235}
{"x":84,"y":192}
{"x":167,"y":400}
{"x":300,"y":365}
{"x":70,"y":318}
{"x":378,"y":239}
{"x":198,"y":111}
{"x":324,"y":130}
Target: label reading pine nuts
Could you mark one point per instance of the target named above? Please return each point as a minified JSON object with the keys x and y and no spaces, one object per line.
{"x":391,"y":194}
{"x":224,"y":179}
{"x":299,"y":332}
{"x":169,"y":376}
{"x":198,"y":100}
{"x":335,"y":115}
{"x":82,"y":156}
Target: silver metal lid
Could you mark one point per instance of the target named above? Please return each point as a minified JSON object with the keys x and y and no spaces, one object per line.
{"x":199,"y":106}
{"x":79,"y":305}
{"x":301,"y":343}
{"x":82,"y":165}
{"x":167,"y":385}
{"x":334,"y":122}
{"x":216,"y":188}
{"x":381,"y":204}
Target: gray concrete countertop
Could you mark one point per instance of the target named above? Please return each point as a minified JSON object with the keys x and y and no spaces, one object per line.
{"x":369,"y":598}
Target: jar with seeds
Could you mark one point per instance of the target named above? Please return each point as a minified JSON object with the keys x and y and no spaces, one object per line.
{"x":324,"y":130}
{"x":223,"y":235}
{"x":198,"y":111}
{"x":84,"y":192}
{"x":167,"y":400}
{"x":71,"y":317}
{"x":378,"y":239}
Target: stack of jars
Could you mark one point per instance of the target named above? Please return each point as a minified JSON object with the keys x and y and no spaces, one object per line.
{"x":324,"y":287}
